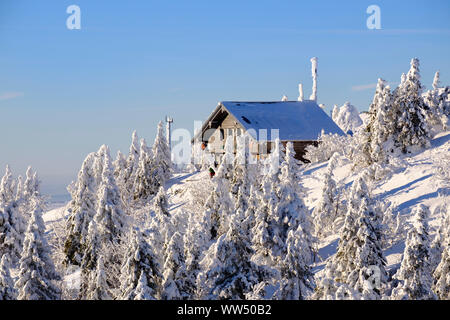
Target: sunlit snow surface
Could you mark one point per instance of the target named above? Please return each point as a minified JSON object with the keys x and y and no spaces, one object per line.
{"x":418,"y":182}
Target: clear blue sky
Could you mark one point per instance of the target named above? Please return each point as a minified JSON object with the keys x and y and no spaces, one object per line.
{"x":64,"y":92}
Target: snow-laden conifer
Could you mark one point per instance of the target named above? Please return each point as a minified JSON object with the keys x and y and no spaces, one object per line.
{"x":297,"y":280}
{"x":411,"y":127}
{"x":120,"y":169}
{"x":140,"y":274}
{"x":436,"y":81}
{"x":81,"y":212}
{"x":227,"y":269}
{"x":219,"y":204}
{"x":7,"y":289}
{"x":347,"y":118}
{"x":31,"y":184}
{"x":328,"y":207}
{"x":442,"y":273}
{"x":7,"y":187}
{"x":161,"y":156}
{"x":129,"y":177}
{"x":415,"y":274}
{"x":11,"y":233}
{"x":143,"y":290}
{"x":37,"y":275}
{"x":146,"y":181}
{"x":98,"y":288}
{"x":359,"y":264}
{"x":174,"y":274}
{"x":381,"y":127}
{"x":109,"y":217}
{"x":437,"y":246}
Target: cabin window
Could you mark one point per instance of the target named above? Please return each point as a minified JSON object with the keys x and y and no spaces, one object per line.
{"x":229,"y":132}
{"x":238,"y":132}
{"x":221,"y":134}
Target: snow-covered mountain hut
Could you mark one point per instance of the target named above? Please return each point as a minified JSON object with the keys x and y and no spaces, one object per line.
{"x":299,"y":122}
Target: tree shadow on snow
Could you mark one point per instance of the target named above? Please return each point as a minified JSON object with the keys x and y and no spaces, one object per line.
{"x":409,"y":184}
{"x":411,"y":203}
{"x":440,"y":141}
{"x":309,"y":171}
{"x":177,"y":180}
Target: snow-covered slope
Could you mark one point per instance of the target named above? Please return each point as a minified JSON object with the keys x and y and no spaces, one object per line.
{"x":419,"y":180}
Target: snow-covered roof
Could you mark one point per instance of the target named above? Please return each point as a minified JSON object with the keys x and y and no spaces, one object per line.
{"x":296,"y":120}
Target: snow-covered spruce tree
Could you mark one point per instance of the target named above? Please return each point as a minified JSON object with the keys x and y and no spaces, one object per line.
{"x":327,"y":210}
{"x":297,"y":280}
{"x":140,"y":271}
{"x":252,"y":207}
{"x":30,"y":196}
{"x":242,"y":175}
{"x":290,"y":209}
{"x":120,"y":170}
{"x":109,"y":216}
{"x":37,"y":275}
{"x":11,"y":220}
{"x":415,"y":274}
{"x":162,"y":158}
{"x":411,"y":127}
{"x":89,"y":260}
{"x":81,"y":212}
{"x":160,"y":225}
{"x":437,"y":246}
{"x":437,"y":81}
{"x":7,"y":187}
{"x":108,"y":227}
{"x":227,"y":271}
{"x":160,"y":228}
{"x":442,"y":273}
{"x":381,"y":126}
{"x":335,"y":112}
{"x":19,"y":188}
{"x":98,"y":288}
{"x":196,"y":241}
{"x":347,"y":118}
{"x":359,"y":258}
{"x":31,"y":184}
{"x":174,"y":274}
{"x":244,"y":180}
{"x":146,"y":181}
{"x":437,"y":116}
{"x":281,"y":210}
{"x":143,"y":290}
{"x":7,"y":289}
{"x":268,"y":241}
{"x":392,"y":226}
{"x":129,"y":177}
{"x":219,"y":204}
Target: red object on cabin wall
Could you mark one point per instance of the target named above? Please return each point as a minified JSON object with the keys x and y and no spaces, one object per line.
{"x":203,"y":146}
